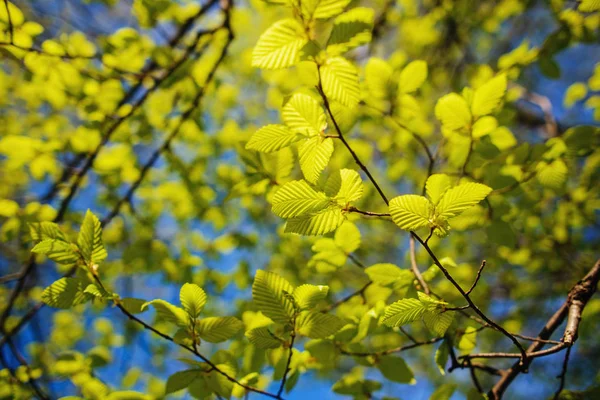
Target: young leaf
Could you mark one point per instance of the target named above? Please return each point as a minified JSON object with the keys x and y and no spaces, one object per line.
{"x":468,"y":340}
{"x":487,"y":97}
{"x":218,"y":329}
{"x":168,"y":312}
{"x":436,"y":186}
{"x":460,"y":198}
{"x":279,"y":46}
{"x":308,"y":296}
{"x":193,"y":299}
{"x":351,"y":29}
{"x":378,"y":77}
{"x":340,"y":81}
{"x":182,"y":379}
{"x":443,"y":392}
{"x":453,"y":111}
{"x":320,"y":223}
{"x":403,"y":312}
{"x":263,"y":339}
{"x":347,"y":237}
{"x":90,"y":239}
{"x":553,"y":174}
{"x":46,"y":230}
{"x":438,"y":322}
{"x":314,"y":156}
{"x":386,"y":274}
{"x":344,"y":186}
{"x":297,"y":198}
{"x":56,"y":250}
{"x":133,"y":305}
{"x":271,"y":138}
{"x":268,"y":295}
{"x":66,"y":293}
{"x":396,"y":370}
{"x":441,"y":357}
{"x":317,"y":325}
{"x":329,"y":8}
{"x":413,"y":76}
{"x":410,"y":211}
{"x":303,"y":115}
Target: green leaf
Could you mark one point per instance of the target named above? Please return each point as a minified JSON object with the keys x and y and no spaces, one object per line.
{"x":218,"y":329}
{"x":193,"y":299}
{"x":319,"y":223}
{"x":182,"y":379}
{"x":46,"y":230}
{"x":329,"y":8}
{"x":297,"y":198}
{"x":263,"y":338}
{"x":468,"y":340}
{"x":396,"y":370}
{"x":271,"y":138}
{"x":56,"y":250}
{"x":378,"y":77}
{"x":315,"y":154}
{"x":351,"y":29}
{"x":403,"y":312}
{"x":553,"y":174}
{"x":344,"y":186}
{"x":304,"y":115}
{"x":438,"y":322}
{"x":441,"y":357}
{"x":484,"y":126}
{"x":460,"y":198}
{"x":66,"y":293}
{"x":410,"y":211}
{"x":453,"y":111}
{"x":413,"y":76}
{"x":317,"y":325}
{"x":279,"y":46}
{"x":133,"y":305}
{"x":340,"y":81}
{"x":444,"y":392}
{"x":166,"y":311}
{"x":268,"y":295}
{"x":127,"y":395}
{"x":308,"y":296}
{"x":436,"y":186}
{"x":488,"y":96}
{"x":347,"y":237}
{"x":386,"y":274}
{"x":90,"y":240}
{"x":589,"y":5}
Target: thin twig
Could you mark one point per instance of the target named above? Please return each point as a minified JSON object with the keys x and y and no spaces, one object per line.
{"x":289,"y":362}
{"x":390,"y":351}
{"x":415,"y":267}
{"x":563,"y":373}
{"x":481,"y":267}
{"x":338,"y":303}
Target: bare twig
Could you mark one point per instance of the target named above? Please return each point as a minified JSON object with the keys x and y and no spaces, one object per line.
{"x":338,"y":303}
{"x":563,"y":373}
{"x":390,"y":351}
{"x":481,"y":267}
{"x":289,"y":362}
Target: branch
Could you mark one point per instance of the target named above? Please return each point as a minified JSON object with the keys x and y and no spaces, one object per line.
{"x":572,"y":309}
{"x":563,"y":373}
{"x":289,"y":361}
{"x":476,"y":278}
{"x":367,"y":213}
{"x":415,"y":267}
{"x":390,"y":351}
{"x":338,"y":303}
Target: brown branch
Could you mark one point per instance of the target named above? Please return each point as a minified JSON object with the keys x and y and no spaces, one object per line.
{"x":390,"y":351}
{"x":571,"y":310}
{"x":563,"y":373}
{"x":338,"y":303}
{"x":415,"y":267}
{"x":289,"y":362}
{"x":481,"y":267}
{"x":367,"y":213}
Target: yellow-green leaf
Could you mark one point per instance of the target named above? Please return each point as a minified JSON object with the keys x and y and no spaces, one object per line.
{"x":319,"y":223}
{"x":268,"y":295}
{"x":340,"y":81}
{"x":193,"y":299}
{"x":56,"y":250}
{"x":308,"y":296}
{"x":410,"y":211}
{"x":413,"y":76}
{"x":168,"y":312}
{"x":453,"y":111}
{"x":488,"y":96}
{"x":329,"y":8}
{"x":436,"y":186}
{"x":263,"y":338}
{"x":303,"y":115}
{"x":90,"y":239}
{"x":314,"y":155}
{"x":271,"y":138}
{"x":279,"y":46}
{"x":297,"y":198}
{"x":218,"y":329}
{"x":317,"y":325}
{"x":403,"y":312}
{"x":66,"y":293}
{"x":461,"y":197}
{"x":344,"y":186}
{"x":351,"y":29}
